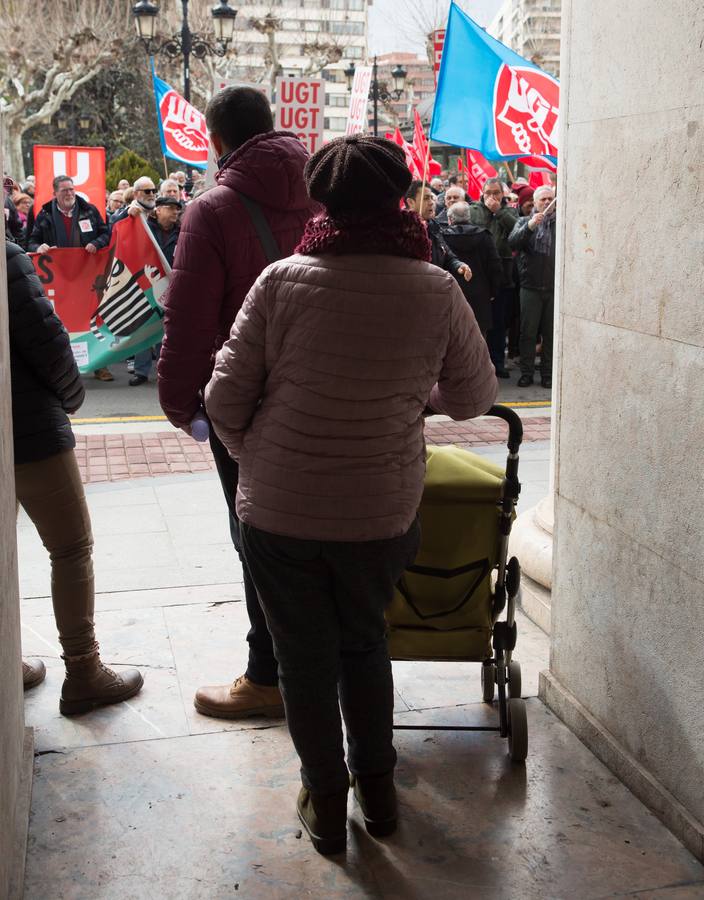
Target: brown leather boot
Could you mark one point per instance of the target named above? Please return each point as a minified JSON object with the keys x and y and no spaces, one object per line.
{"x":376,"y":796}
{"x":33,"y":673}
{"x":324,"y":817}
{"x":239,"y":700}
{"x":90,"y":684}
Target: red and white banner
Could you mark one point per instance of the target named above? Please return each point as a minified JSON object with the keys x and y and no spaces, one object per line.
{"x":110,"y":302}
{"x":300,"y":108}
{"x":478,"y":170}
{"x":84,"y":165}
{"x":357,"y":118}
{"x":438,"y":44}
{"x":421,"y":148}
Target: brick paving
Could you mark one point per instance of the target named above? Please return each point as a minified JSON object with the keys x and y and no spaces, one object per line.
{"x":117,"y":457}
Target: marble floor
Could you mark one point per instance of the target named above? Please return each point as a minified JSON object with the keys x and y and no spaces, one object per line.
{"x":151,"y":800}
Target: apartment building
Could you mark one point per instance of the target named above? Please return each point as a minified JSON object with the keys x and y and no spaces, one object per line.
{"x":302,"y":37}
{"x":532,"y":29}
{"x":420,"y":85}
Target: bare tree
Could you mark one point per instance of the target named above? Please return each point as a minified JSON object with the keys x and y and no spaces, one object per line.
{"x":48,"y":50}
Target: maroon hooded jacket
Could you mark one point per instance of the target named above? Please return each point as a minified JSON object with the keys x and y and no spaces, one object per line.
{"x":219,"y":257}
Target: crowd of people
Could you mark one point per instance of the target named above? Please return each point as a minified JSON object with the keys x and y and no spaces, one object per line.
{"x":317,"y":310}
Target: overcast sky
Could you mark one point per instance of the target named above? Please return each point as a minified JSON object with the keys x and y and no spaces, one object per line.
{"x":395,"y":24}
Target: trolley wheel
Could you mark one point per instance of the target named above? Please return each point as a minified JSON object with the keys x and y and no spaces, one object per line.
{"x":513,"y":577}
{"x":514,"y":680}
{"x":517,"y":730}
{"x":488,"y":683}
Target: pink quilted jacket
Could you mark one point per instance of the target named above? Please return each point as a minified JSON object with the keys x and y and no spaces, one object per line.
{"x":320,"y":389}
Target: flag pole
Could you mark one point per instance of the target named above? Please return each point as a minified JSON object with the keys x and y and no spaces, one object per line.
{"x":510,"y":173}
{"x":166,"y":168}
{"x":425,"y":170}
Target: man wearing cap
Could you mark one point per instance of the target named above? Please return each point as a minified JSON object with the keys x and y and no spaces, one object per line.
{"x":165,"y":229}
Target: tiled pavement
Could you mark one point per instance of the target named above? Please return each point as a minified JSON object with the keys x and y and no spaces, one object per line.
{"x":117,"y":457}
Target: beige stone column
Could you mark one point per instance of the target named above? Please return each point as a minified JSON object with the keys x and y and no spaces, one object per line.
{"x":627,"y":639}
{"x":16,"y":746}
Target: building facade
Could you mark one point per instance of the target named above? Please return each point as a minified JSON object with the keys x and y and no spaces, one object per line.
{"x":532,"y":29}
{"x":420,"y":85}
{"x":313,"y":38}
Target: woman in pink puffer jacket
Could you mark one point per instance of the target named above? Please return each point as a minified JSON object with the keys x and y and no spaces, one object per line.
{"x":319,"y":393}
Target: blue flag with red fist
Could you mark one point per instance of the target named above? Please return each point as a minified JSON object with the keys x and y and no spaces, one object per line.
{"x":490,"y":98}
{"x":184,"y":136}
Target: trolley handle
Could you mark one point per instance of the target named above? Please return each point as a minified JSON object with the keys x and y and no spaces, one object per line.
{"x":515,"y":426}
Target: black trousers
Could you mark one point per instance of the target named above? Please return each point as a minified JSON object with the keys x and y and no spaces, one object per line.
{"x":261,"y":665}
{"x":496,"y":336}
{"x":324,"y":602}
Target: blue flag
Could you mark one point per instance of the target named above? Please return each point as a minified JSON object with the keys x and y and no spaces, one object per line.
{"x":490,"y":98}
{"x":182,"y":129}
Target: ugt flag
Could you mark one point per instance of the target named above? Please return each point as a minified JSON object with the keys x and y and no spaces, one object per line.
{"x":109,"y":301}
{"x":182,"y":129}
{"x":492,"y":99}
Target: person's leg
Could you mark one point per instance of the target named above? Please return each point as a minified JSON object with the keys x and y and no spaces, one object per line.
{"x":496,"y":336}
{"x":530,"y":322}
{"x":261,"y":666}
{"x":51,"y":493}
{"x":296,"y":591}
{"x":546,"y":329}
{"x":143,"y":363}
{"x":365,"y":577}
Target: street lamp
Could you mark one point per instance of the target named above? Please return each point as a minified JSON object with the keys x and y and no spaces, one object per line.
{"x":187,"y":43}
{"x":378,"y":92}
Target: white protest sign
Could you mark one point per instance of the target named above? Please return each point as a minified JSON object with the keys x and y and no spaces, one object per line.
{"x":357,"y":119}
{"x":300,"y":107}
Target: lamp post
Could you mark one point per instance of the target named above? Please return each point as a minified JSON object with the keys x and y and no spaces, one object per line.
{"x":187,"y":43}
{"x":379,"y":92}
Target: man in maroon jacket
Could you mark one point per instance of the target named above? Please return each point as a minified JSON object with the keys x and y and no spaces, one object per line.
{"x":218,"y":259}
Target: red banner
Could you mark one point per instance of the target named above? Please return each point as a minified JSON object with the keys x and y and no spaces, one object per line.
{"x":438,"y":44}
{"x":411,"y":160}
{"x":109,"y":301}
{"x":84,"y":165}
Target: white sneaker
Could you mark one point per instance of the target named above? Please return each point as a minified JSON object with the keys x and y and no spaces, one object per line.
{"x":130,"y":366}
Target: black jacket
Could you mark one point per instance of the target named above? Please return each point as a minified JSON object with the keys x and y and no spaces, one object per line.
{"x":49,"y":227}
{"x":45,"y":380}
{"x":442,"y":256}
{"x":475,"y":246}
{"x":500,"y":224}
{"x":165,"y":239}
{"x":535,"y":270}
{"x":13,"y":224}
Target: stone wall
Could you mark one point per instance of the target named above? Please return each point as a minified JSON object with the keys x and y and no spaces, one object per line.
{"x":627,"y":666}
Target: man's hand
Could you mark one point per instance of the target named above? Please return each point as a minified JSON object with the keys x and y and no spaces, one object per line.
{"x":90,"y":248}
{"x":43,"y":248}
{"x":493,"y":204}
{"x":134,"y":209}
{"x":465,"y":272}
{"x":536,"y":220}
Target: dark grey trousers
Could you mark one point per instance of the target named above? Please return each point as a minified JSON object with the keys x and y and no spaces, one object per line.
{"x":324,"y":603}
{"x":536,"y":319}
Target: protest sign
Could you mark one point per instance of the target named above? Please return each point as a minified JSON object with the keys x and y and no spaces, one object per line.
{"x":357,"y":119}
{"x":300,"y":108}
{"x":109,"y":301}
{"x":84,"y":165}
{"x":438,"y":44}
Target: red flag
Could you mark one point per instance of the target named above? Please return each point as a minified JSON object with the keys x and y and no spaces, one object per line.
{"x":539,"y":179}
{"x":411,"y":161}
{"x":478,"y":170}
{"x":420,"y":141}
{"x":538,"y":162}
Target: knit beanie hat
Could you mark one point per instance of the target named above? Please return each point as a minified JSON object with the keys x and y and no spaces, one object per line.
{"x":357,"y":173}
{"x":524,"y":194}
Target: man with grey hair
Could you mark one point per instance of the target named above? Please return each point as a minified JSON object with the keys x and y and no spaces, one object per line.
{"x":534,"y":238}
{"x":454,"y":194}
{"x":493,"y":212}
{"x":144,"y":199}
{"x":169,"y":187}
{"x":474,"y":245}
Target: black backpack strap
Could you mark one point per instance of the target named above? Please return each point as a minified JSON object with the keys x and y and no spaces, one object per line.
{"x":266,"y":238}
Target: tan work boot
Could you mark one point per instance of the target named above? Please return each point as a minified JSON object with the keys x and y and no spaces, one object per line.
{"x":324,"y":817}
{"x":90,"y":684}
{"x":239,"y":700}
{"x":376,"y":796}
{"x":33,"y":673}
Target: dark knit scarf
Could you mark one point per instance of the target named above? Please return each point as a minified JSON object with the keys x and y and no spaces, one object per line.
{"x":394,"y":232}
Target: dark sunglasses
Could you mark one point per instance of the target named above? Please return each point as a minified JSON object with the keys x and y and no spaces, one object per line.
{"x":148,"y":190}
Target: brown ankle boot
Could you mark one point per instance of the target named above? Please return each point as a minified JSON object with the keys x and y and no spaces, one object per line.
{"x":89,"y":684}
{"x":324,"y":817}
{"x":376,"y":796}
